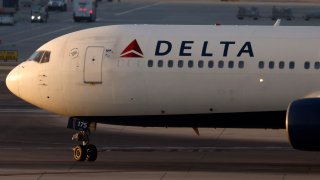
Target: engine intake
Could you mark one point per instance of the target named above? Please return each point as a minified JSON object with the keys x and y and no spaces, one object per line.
{"x":303,"y":124}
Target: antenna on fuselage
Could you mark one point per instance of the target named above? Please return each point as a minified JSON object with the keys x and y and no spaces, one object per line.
{"x":277,"y":23}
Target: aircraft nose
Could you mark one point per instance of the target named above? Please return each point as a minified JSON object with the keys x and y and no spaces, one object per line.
{"x":12,"y":81}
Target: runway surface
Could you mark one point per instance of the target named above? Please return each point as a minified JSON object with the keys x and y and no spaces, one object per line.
{"x":35,"y":144}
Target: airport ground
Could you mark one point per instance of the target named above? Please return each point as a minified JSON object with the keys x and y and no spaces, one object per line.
{"x":35,"y":144}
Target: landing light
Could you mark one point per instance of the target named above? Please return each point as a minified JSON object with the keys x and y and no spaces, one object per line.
{"x":261,"y":80}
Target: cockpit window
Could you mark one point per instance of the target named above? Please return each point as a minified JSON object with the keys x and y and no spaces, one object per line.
{"x":36,"y":56}
{"x":40,"y":56}
{"x":45,"y":57}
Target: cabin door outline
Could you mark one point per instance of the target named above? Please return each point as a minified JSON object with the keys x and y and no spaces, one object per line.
{"x":93,"y":65}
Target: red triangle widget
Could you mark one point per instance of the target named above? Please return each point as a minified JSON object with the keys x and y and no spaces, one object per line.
{"x":133,"y":50}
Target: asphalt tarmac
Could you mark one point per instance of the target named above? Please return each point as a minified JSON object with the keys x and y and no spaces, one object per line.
{"x":35,"y":144}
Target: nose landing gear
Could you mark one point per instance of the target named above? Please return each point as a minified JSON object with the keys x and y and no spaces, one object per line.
{"x":85,"y":150}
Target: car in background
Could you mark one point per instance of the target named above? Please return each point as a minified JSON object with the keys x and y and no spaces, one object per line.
{"x":281,"y":13}
{"x":26,"y":3}
{"x":252,"y":12}
{"x":7,"y":18}
{"x":39,"y":13}
{"x":7,"y":13}
{"x":84,"y":10}
{"x":312,"y":15}
{"x":57,"y":5}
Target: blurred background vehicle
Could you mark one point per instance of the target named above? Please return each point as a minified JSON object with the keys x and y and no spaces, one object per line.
{"x":39,"y":13}
{"x":58,"y":5}
{"x":26,"y":3}
{"x":281,"y":13}
{"x":252,"y":12}
{"x":84,"y":10}
{"x":312,"y":15}
{"x":8,"y":9}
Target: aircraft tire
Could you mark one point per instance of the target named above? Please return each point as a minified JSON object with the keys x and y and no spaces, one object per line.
{"x":92,"y":152}
{"x":79,"y":153}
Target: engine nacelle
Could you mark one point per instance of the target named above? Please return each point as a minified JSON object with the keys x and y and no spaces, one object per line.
{"x":303,"y":124}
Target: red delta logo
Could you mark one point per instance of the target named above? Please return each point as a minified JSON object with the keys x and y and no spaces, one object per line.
{"x":133,"y":50}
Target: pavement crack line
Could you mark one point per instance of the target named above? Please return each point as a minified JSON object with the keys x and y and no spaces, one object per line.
{"x":163,"y":176}
{"x":40,"y":176}
{"x":219,"y":136}
{"x":284,"y":176}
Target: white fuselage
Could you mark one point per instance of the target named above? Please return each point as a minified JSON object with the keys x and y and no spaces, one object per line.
{"x":103,"y":72}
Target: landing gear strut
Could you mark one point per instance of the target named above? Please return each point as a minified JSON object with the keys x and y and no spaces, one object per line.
{"x":85,"y":150}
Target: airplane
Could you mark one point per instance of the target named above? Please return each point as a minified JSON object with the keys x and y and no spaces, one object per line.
{"x":178,"y":76}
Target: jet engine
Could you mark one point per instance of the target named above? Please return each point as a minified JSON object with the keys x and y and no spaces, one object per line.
{"x":303,"y":124}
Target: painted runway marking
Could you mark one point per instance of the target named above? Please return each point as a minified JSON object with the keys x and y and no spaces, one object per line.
{"x":194,"y":149}
{"x":32,"y":28}
{"x":156,"y":149}
{"x":137,"y":9}
{"x":44,"y":34}
{"x":22,"y":111}
{"x":6,"y":67}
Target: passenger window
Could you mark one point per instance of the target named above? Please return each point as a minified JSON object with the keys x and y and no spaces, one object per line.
{"x":210,"y":64}
{"x":271,"y":64}
{"x":317,"y":65}
{"x":307,"y":65}
{"x":180,"y":63}
{"x":281,"y":64}
{"x":200,"y":64}
{"x":220,"y":64}
{"x":241,"y":64}
{"x":170,"y":63}
{"x":291,"y":65}
{"x":261,"y":64}
{"x":230,"y":64}
{"x":190,"y":64}
{"x":45,"y":57}
{"x":160,"y":63}
{"x":150,"y":63}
